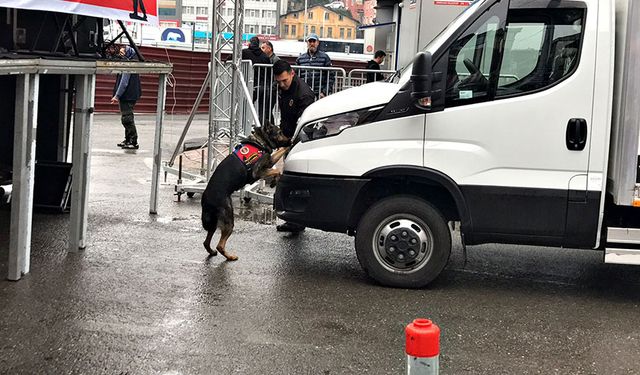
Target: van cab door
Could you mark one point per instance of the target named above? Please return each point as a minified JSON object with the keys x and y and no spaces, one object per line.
{"x":515,"y":130}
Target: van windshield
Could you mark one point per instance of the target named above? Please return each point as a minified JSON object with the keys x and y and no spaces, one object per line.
{"x":405,"y":72}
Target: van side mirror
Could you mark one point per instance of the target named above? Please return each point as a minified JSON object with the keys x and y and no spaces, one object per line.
{"x":421,"y":78}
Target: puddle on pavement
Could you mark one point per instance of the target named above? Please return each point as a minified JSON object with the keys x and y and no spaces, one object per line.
{"x":166,"y":219}
{"x":254,"y":211}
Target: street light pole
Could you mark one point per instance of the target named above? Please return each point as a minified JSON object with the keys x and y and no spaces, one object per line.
{"x":304,"y":32}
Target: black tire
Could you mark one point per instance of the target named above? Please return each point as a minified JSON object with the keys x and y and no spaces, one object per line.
{"x":403,"y":242}
{"x":190,"y":194}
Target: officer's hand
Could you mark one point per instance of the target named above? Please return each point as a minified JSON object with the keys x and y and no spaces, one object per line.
{"x":115,"y":100}
{"x":322,"y":95}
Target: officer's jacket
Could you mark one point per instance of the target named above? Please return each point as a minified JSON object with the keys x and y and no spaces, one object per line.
{"x":292,"y":103}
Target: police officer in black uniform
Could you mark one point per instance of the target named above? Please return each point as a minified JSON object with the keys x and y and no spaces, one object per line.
{"x":294,"y":96}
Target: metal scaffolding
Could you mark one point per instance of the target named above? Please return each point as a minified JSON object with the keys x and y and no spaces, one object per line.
{"x":229,"y":96}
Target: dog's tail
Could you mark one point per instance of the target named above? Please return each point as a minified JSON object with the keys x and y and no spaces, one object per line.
{"x":209,"y":218}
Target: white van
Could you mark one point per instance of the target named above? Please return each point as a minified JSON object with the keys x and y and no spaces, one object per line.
{"x":520,"y":121}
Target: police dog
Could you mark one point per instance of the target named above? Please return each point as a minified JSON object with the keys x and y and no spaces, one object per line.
{"x":251,"y":160}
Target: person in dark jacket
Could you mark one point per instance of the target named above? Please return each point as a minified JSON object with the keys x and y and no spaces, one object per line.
{"x":255,"y":54}
{"x":126,"y":93}
{"x":260,"y":79}
{"x":267,"y":48}
{"x":321,"y":82}
{"x":271,"y":91}
{"x":294,"y":96}
{"x":378,"y":58}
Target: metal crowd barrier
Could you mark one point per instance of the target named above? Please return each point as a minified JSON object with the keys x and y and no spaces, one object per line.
{"x":358,"y":77}
{"x":327,"y":80}
{"x":260,"y":83}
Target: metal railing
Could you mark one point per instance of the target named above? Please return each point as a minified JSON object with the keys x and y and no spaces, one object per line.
{"x":358,"y":77}
{"x":261,"y":84}
{"x":325,"y":80}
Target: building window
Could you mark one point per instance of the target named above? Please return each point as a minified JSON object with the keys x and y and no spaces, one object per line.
{"x":341,"y":33}
{"x":348,"y":33}
{"x":293,"y":30}
{"x":167,"y":11}
{"x":340,"y":17}
{"x":286,"y":30}
{"x":326,"y":16}
{"x":187,"y":10}
{"x":310,"y":15}
{"x":295,"y":15}
{"x":313,"y":29}
{"x":329,"y":32}
{"x":321,"y":32}
{"x":201,"y":10}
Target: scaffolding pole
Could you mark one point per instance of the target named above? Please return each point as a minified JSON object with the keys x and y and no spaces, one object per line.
{"x":222,"y":82}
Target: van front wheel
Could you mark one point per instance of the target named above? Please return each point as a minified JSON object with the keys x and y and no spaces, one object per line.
{"x":403,"y":242}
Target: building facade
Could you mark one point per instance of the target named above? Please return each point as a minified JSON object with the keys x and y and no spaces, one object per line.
{"x":326,"y":22}
{"x":260,"y":16}
{"x":170,"y":12}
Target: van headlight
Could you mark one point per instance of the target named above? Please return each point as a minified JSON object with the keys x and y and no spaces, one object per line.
{"x":334,"y":125}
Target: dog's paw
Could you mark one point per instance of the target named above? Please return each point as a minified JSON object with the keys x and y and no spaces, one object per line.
{"x":211,"y":252}
{"x":275,"y":180}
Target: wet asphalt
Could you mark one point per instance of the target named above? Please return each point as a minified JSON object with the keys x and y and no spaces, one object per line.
{"x":144,"y":298}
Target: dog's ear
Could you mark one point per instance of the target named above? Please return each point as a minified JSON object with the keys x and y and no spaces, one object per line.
{"x":260,"y":132}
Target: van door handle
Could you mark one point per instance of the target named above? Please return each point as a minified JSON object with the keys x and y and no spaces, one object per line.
{"x":576,"y":134}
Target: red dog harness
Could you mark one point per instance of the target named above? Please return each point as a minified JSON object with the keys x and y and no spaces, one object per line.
{"x":248,"y":154}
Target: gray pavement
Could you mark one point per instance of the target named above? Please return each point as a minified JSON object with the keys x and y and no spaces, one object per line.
{"x":143,"y":298}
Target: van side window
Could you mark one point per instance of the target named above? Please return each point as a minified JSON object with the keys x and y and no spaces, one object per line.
{"x":470,"y":60}
{"x":542,"y":47}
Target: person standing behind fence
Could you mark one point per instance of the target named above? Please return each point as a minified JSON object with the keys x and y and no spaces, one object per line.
{"x":270,"y":90}
{"x":321,"y":82}
{"x":294,"y":96}
{"x":255,"y":54}
{"x":378,"y":58}
{"x":267,"y":48}
{"x":126,"y":93}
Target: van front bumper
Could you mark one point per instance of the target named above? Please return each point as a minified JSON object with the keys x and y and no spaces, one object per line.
{"x":321,"y":202}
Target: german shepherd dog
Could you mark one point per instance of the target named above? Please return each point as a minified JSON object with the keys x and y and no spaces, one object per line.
{"x":251,"y":160}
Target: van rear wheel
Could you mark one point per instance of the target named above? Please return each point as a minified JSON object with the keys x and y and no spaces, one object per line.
{"x":403,"y":242}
